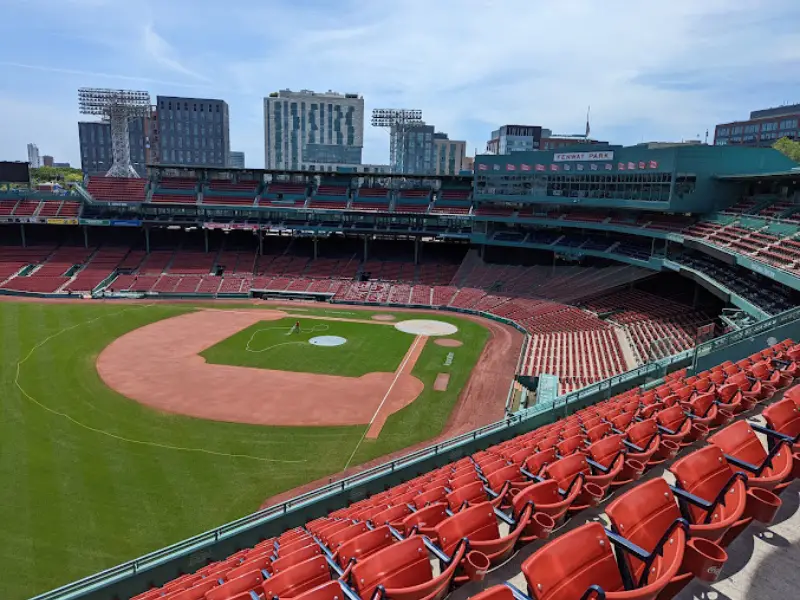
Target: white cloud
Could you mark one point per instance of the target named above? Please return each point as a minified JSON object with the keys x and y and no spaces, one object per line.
{"x":649,"y":70}
{"x":164,"y":54}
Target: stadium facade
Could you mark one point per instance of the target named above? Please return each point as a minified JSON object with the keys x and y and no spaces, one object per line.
{"x":723,"y":219}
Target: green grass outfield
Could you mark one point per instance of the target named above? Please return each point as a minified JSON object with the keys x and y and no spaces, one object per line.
{"x":91,"y":479}
{"x":370,"y":347}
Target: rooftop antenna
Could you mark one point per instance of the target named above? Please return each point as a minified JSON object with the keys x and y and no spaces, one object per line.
{"x":117,"y":107}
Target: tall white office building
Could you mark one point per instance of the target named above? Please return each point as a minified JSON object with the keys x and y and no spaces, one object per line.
{"x":313,"y":131}
{"x":34,"y":160}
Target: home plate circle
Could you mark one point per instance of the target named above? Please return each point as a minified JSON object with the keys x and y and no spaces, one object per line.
{"x":327,"y":340}
{"x":426,"y":327}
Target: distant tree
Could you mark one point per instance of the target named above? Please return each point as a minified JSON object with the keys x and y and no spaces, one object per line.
{"x":788,"y":147}
{"x":56,"y":175}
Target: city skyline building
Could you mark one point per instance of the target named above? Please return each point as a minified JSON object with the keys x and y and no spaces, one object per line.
{"x":313,"y":131}
{"x":34,"y":159}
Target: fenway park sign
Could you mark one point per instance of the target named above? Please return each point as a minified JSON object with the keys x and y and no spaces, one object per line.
{"x":583,"y":156}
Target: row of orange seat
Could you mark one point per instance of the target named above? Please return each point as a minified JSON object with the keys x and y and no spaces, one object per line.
{"x":419,"y":539}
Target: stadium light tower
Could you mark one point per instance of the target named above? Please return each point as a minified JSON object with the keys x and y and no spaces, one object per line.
{"x":118,"y":107}
{"x":398,"y":121}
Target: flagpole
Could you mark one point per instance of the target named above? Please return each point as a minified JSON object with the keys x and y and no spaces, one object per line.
{"x":588,"y":110}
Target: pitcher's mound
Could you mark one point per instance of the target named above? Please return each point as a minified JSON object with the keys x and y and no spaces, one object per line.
{"x":426,"y":327}
{"x":448,"y":343}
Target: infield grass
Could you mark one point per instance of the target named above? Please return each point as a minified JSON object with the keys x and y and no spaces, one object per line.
{"x":92,"y":479}
{"x":370,"y":347}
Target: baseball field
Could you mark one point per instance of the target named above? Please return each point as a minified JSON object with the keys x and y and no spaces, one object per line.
{"x":127,"y":427}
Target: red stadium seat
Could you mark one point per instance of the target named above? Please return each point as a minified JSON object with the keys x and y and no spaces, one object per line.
{"x":567,"y":567}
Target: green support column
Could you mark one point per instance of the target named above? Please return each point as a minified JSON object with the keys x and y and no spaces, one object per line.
{"x":85,"y":236}
{"x":147,"y":240}
{"x":22,"y":233}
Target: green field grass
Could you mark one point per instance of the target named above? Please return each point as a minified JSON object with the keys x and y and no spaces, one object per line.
{"x":370,"y":347}
{"x":91,"y":479}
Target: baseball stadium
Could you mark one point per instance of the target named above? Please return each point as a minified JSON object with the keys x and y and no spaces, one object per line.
{"x":569,"y":375}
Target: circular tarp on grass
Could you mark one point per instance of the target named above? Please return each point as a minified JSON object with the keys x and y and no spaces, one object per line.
{"x":327,"y":340}
{"x":426,"y":327}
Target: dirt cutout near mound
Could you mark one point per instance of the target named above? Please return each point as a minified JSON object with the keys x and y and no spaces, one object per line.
{"x":383,"y":317}
{"x":442,"y":379}
{"x":159,"y":365}
{"x":448,"y":343}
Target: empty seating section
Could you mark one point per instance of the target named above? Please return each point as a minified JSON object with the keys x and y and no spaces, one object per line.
{"x":156,"y":262}
{"x":457,"y":201}
{"x":494,"y":210}
{"x":578,"y":358}
{"x":228,"y":193}
{"x":285,"y":194}
{"x":330,"y":197}
{"x":371,"y":198}
{"x":51,"y":274}
{"x":117,"y":189}
{"x":175,"y":190}
{"x":449,"y":526}
{"x":13,"y":259}
{"x":766,"y":295}
{"x":99,"y":267}
{"x":197,"y":263}
{"x":412,"y":201}
{"x":655,"y":326}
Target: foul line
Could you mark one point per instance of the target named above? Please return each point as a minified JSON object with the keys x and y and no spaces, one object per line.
{"x":108,"y":433}
{"x":397,"y":374}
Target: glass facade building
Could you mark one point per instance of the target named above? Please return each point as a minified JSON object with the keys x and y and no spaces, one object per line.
{"x":193,"y":131}
{"x":763,"y":128}
{"x":313,"y":131}
{"x":95,"y":146}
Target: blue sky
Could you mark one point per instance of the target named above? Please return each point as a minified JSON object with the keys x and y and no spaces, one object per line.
{"x":649,"y":70}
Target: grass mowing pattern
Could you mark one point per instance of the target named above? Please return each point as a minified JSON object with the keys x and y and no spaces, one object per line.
{"x":370,"y":348}
{"x":74,"y":501}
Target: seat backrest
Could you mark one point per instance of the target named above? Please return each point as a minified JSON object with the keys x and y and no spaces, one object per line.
{"x":430,"y":496}
{"x":476,"y":523}
{"x":643,"y":514}
{"x":642,"y":432}
{"x":391,"y":514}
{"x":297,"y":556}
{"x":236,"y":586}
{"x":472,"y":492}
{"x":566,"y":469}
{"x":536,"y":462}
{"x":498,"y":477}
{"x":784,"y":416}
{"x":365,"y":544}
{"x":703,"y":473}
{"x":565,"y":567}
{"x":570,"y":445}
{"x":740,"y":441}
{"x":299,"y":578}
{"x":196,"y":592}
{"x":671,"y":417}
{"x":426,"y":517}
{"x":337,"y":539}
{"x":605,"y":450}
{"x":401,"y":565}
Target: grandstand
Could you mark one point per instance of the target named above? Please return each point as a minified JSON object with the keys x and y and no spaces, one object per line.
{"x":610,"y":264}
